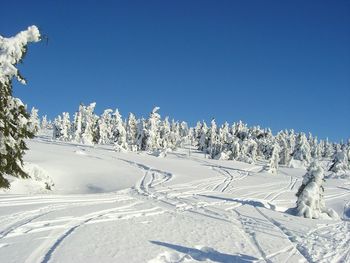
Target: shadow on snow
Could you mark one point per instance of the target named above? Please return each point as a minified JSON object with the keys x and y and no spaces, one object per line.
{"x":207,"y":254}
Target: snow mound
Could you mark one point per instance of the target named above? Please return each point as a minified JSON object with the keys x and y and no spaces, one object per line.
{"x":296,"y":164}
{"x":38,"y":182}
{"x":170,"y":257}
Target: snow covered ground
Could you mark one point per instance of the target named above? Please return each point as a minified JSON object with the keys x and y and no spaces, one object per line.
{"x":106,"y":206}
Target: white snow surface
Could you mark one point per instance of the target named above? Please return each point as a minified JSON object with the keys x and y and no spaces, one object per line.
{"x":108,"y":206}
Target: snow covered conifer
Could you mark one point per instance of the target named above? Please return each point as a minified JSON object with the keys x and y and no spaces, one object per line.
{"x":104,"y":127}
{"x":89,"y":124}
{"x":14,"y":118}
{"x":340,"y":163}
{"x":66,"y":127}
{"x":310,"y":201}
{"x":165,"y":135}
{"x":77,"y":125}
{"x":302,"y":150}
{"x":131,"y":132}
{"x":235,"y":149}
{"x":34,"y":122}
{"x":85,"y":124}
{"x":44,"y":123}
{"x":141,"y":139}
{"x":284,"y":154}
{"x":202,"y":136}
{"x":273,"y":165}
{"x":118,"y":131}
{"x":328,"y":149}
{"x":57,"y":128}
{"x":153,"y":126}
{"x":213,"y":143}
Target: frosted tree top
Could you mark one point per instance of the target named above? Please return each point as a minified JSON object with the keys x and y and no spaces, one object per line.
{"x":12,"y":50}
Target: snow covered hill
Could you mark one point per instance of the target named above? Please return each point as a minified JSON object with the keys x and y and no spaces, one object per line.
{"x":107,"y":206}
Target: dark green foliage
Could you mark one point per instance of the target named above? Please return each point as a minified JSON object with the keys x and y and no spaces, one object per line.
{"x":13,"y":132}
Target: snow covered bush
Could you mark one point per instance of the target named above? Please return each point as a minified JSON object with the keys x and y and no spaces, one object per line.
{"x":340,"y":163}
{"x":14,"y":118}
{"x":310,"y":201}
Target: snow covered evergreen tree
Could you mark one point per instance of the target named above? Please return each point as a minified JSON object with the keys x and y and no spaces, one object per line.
{"x":131,"y":132}
{"x":153,"y":132}
{"x":302,"y":150}
{"x":62,"y":128}
{"x":203,"y":138}
{"x":44,"y":123}
{"x":118,"y":132}
{"x":213,"y":142}
{"x":14,"y":118}
{"x":166,"y":141}
{"x":340,"y":163}
{"x":310,"y":201}
{"x":85,"y":126}
{"x":57,"y":128}
{"x":328,"y":149}
{"x":104,"y":127}
{"x":273,"y":164}
{"x":34,"y":122}
{"x":284,"y":154}
{"x":66,"y":127}
{"x":89,"y":127}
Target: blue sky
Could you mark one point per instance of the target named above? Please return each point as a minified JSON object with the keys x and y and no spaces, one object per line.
{"x":278,"y":64}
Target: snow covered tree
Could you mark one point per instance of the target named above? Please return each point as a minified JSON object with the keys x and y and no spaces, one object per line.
{"x":165,"y":135}
{"x":273,"y":164}
{"x":175,"y":138}
{"x":66,"y":127}
{"x":202,"y":136}
{"x":284,"y":154}
{"x":34,"y":122}
{"x":197,"y":132}
{"x":57,"y":128}
{"x":89,"y":120}
{"x":104,"y":127}
{"x":85,"y":125}
{"x":141,"y":139}
{"x":213,"y":142}
{"x":248,"y":151}
{"x":131,"y":132}
{"x":77,"y":125}
{"x":153,"y":135}
{"x":302,"y":150}
{"x":328,"y":149}
{"x":62,"y":128}
{"x":44,"y":123}
{"x":235,"y":149}
{"x":340,"y":163}
{"x":119,"y":132}
{"x":14,"y":118}
{"x":310,"y":201}
{"x":225,"y":137}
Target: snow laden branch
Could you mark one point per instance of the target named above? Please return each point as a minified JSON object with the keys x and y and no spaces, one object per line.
{"x":12,"y":50}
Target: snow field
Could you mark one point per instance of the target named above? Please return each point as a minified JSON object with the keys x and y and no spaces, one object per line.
{"x":109,"y":206}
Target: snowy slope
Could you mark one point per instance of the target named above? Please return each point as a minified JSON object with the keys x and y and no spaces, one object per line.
{"x":128,"y":207}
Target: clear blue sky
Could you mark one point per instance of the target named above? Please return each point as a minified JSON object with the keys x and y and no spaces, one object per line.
{"x":279,"y":64}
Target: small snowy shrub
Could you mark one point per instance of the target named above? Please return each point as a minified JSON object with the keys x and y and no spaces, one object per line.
{"x":340,"y":163}
{"x":310,"y":203}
